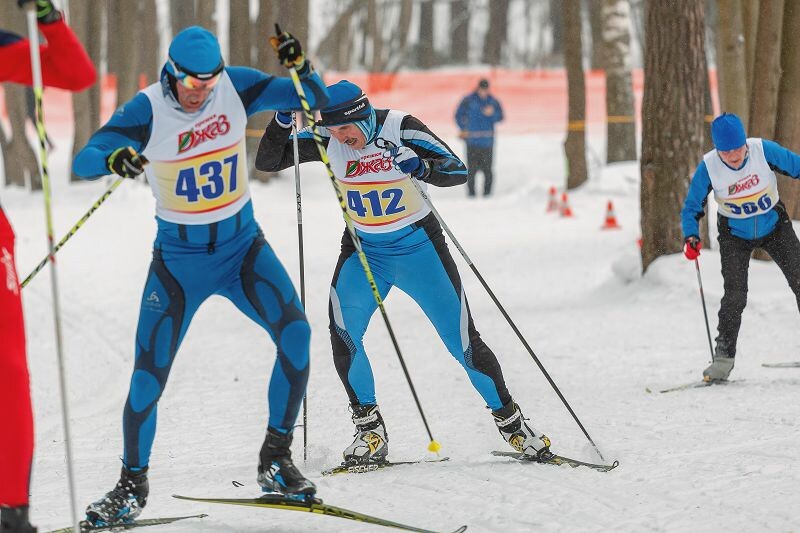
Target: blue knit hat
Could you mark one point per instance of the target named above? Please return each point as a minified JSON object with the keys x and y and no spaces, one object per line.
{"x":347,"y":104}
{"x":195,"y":51}
{"x":727,"y":132}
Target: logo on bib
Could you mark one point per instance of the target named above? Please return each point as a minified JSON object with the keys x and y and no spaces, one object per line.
{"x":744,"y":184}
{"x":378,"y":163}
{"x":207,"y":130}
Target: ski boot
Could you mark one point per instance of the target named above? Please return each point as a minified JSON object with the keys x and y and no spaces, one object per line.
{"x":124,"y":502}
{"x":15,"y":520}
{"x":719,"y":369}
{"x":371,"y":444}
{"x":522,"y":437}
{"x":722,"y":362}
{"x":276,"y":471}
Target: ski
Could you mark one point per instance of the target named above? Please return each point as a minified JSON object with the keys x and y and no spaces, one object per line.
{"x":372,"y":467}
{"x":698,"y":385}
{"x":557,"y":460}
{"x":86,"y":526}
{"x":278,"y":501}
{"x":792,"y":364}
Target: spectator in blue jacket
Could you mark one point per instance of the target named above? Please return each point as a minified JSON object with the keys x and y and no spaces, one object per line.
{"x":476,"y":116}
{"x":750,"y":215}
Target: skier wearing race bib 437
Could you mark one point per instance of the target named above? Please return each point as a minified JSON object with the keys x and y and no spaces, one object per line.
{"x":750,"y":215}
{"x":190,"y":127}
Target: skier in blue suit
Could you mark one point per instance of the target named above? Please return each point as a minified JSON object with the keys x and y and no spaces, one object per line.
{"x":190,"y":127}
{"x":374,"y":154}
{"x":750,"y":215}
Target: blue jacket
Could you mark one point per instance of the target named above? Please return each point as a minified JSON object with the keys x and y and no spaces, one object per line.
{"x":779,"y":159}
{"x":131,"y":124}
{"x":479,"y":127}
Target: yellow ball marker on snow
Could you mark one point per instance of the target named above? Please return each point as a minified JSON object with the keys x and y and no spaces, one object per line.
{"x":434,"y":447}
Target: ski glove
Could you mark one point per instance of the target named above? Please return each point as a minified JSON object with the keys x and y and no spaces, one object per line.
{"x":691,"y":247}
{"x":126,"y":162}
{"x":407,"y":161}
{"x":283,"y":118}
{"x":289,"y":51}
{"x":46,"y":12}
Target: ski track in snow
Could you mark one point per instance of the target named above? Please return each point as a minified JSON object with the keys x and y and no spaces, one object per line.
{"x":723,"y":458}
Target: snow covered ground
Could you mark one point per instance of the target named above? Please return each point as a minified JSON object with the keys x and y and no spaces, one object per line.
{"x":723,"y":458}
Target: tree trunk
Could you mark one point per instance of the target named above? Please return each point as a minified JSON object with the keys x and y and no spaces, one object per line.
{"x":496,"y":34}
{"x":764,"y":100}
{"x":87,"y":23}
{"x":334,"y":49}
{"x":182,"y":14}
{"x":425,"y":49}
{"x":732,"y":85}
{"x":18,"y":155}
{"x":239,"y":36}
{"x":206,"y":14}
{"x":595,"y":10}
{"x":575,"y":145}
{"x":127,"y":48}
{"x":375,"y":30}
{"x":621,"y":126}
{"x":672,"y":118}
{"x":787,"y":128}
{"x":750,"y":29}
{"x":150,"y":60}
{"x":459,"y":32}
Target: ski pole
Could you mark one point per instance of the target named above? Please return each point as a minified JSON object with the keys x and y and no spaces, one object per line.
{"x":705,"y":313}
{"x":433,"y":446}
{"x":73,"y":230}
{"x":296,"y":153}
{"x":36,"y":66}
{"x":503,"y":311}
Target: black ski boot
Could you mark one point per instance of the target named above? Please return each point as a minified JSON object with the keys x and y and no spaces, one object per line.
{"x":521,"y":436}
{"x":123,"y":503}
{"x":371,"y":444}
{"x":277,"y":472}
{"x":15,"y":520}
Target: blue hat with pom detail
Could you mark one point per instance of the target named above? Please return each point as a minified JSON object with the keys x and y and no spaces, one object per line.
{"x":727,"y":132}
{"x":195,"y":51}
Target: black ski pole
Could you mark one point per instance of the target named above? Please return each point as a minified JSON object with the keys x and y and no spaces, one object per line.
{"x":703,"y":300}
{"x":302,"y":264}
{"x":503,"y":312}
{"x":433,"y":446}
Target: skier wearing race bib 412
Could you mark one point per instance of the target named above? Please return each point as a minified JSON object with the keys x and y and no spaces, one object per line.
{"x":750,"y":215}
{"x":374,"y":154}
{"x":190,"y":128}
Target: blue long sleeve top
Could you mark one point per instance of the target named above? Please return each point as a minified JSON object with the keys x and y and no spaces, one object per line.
{"x":131,"y":124}
{"x":779,"y":159}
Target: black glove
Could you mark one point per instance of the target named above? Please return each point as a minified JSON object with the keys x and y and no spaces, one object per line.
{"x":126,"y":162}
{"x":46,"y":12}
{"x":289,"y":51}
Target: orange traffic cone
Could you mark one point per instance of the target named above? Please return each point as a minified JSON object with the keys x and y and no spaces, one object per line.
{"x":552,"y":202}
{"x":611,"y":218}
{"x":566,"y":211}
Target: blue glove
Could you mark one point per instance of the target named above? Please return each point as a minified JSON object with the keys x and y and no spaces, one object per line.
{"x":407,"y":161}
{"x":284,"y":118}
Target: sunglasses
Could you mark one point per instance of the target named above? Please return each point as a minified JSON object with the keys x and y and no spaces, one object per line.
{"x":193,"y":82}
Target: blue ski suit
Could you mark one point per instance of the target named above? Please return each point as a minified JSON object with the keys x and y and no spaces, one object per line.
{"x":403,"y":244}
{"x":207,"y":241}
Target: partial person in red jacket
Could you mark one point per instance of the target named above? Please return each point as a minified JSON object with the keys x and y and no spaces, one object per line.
{"x":66,"y":65}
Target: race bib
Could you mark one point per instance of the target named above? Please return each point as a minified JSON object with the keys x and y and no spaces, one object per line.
{"x":202,"y":183}
{"x":381,"y":203}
